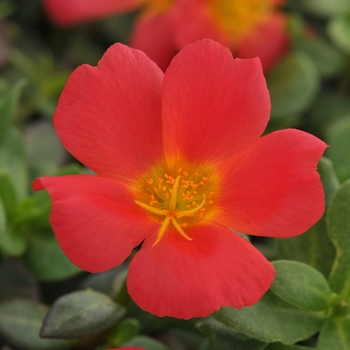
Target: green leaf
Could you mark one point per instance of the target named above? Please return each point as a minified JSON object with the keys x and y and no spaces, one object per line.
{"x":339,"y":31}
{"x":46,"y":260}
{"x":339,"y":142}
{"x":272,"y":320}
{"x":45,"y":151}
{"x":339,"y":233}
{"x":335,"y":334}
{"x":79,"y":314}
{"x":326,"y":8}
{"x":301,"y":285}
{"x":223,"y":338}
{"x":146,"y":343}
{"x":280,"y":346}
{"x":293,"y":85}
{"x":329,"y":178}
{"x":7,"y":192}
{"x":11,"y":242}
{"x":20,"y":322}
{"x":313,"y":248}
{"x":8,"y":105}
{"x":16,"y":281}
{"x":13,"y":161}
{"x":126,"y":330}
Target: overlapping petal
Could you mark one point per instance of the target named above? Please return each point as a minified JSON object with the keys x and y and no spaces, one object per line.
{"x":109,"y":116}
{"x":71,"y":12}
{"x":272,"y":188}
{"x":215,"y":109}
{"x":153,"y":35}
{"x":188,"y":279}
{"x":95,"y":220}
{"x":273,"y":32}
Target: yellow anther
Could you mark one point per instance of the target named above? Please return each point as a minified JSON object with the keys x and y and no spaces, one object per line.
{"x":150,"y":181}
{"x":167,"y":195}
{"x":211,"y":202}
{"x":179,"y":170}
{"x":185,"y":173}
{"x":152,"y":203}
{"x":204,"y":178}
{"x":194,"y":203}
{"x":201,"y":183}
{"x":196,"y":174}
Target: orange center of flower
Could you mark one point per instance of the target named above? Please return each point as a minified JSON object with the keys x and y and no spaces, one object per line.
{"x":157,"y":6}
{"x":238,"y":18}
{"x":178,"y":199}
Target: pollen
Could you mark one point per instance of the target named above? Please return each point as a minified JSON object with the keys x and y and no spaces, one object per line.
{"x":182,"y":198}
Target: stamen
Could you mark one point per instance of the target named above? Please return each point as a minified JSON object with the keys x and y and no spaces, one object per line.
{"x":151,"y":209}
{"x":179,"y":229}
{"x":161,"y":231}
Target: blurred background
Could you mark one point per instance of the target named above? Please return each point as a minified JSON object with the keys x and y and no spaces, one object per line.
{"x":305,"y":51}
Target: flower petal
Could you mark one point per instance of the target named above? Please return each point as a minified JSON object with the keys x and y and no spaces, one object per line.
{"x":213,"y":105}
{"x":153,"y":35}
{"x":186,"y":279}
{"x":71,"y":12}
{"x":95,"y":220}
{"x":272,"y":188}
{"x":109,"y":116}
{"x":270,"y":42}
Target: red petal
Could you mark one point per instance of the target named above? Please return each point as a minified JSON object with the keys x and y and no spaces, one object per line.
{"x":109,"y":116}
{"x":71,"y":12}
{"x":272,"y":188}
{"x":187,"y":279}
{"x":95,"y":220}
{"x":270,"y":42}
{"x":153,"y":35}
{"x":213,"y":105}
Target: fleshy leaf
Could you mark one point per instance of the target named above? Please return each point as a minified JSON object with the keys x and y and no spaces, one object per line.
{"x":335,"y":334}
{"x":11,"y":242}
{"x":20,"y":322}
{"x":44,"y":149}
{"x":126,"y":330}
{"x":145,"y":342}
{"x":301,"y":285}
{"x":46,"y":260}
{"x":338,"y":152}
{"x":16,"y":281}
{"x":329,"y":178}
{"x":7,"y":192}
{"x":13,"y":161}
{"x":338,"y":225}
{"x":313,"y":248}
{"x":80,"y":313}
{"x":325,"y":8}
{"x":293,"y":85}
{"x":280,"y":346}
{"x":339,"y":31}
{"x":8,"y":105}
{"x":272,"y":320}
{"x":222,"y":337}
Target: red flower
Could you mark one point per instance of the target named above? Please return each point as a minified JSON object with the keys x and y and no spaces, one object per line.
{"x":180,"y":166}
{"x":249,"y":28}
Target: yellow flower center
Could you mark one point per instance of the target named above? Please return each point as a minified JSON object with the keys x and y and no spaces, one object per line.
{"x":178,"y":199}
{"x":157,"y":6}
{"x":238,"y":18}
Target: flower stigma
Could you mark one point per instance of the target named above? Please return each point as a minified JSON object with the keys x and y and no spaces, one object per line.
{"x":181,"y":200}
{"x":239,"y":17}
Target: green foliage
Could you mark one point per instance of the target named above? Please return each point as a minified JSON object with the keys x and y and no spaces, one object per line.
{"x":338,"y":224}
{"x":20,"y":322}
{"x":339,"y":31}
{"x":273,"y":320}
{"x":146,"y":342}
{"x":293,"y":85}
{"x":339,"y":142}
{"x":80,"y":313}
{"x":335,"y":335}
{"x":301,"y":285}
